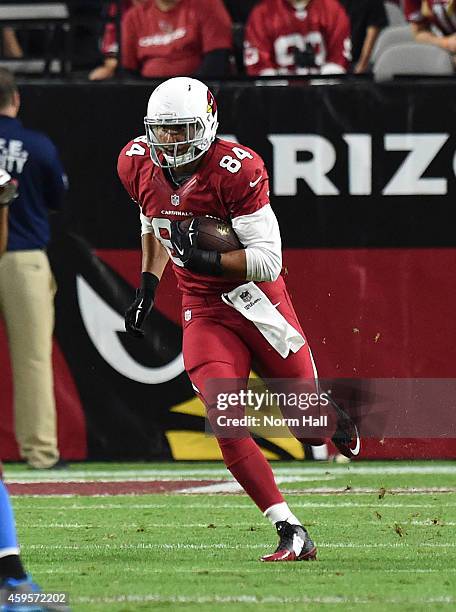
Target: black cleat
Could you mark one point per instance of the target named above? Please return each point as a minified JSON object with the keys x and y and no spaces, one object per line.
{"x":294,"y":544}
{"x":346,"y":437}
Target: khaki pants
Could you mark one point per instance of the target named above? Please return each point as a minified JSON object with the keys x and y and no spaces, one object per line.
{"x":27,"y":290}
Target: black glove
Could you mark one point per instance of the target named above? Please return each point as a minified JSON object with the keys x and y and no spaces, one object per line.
{"x":136,"y":314}
{"x":185,"y":246}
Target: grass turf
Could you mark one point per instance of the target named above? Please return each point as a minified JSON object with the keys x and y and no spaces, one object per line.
{"x":378,"y":550}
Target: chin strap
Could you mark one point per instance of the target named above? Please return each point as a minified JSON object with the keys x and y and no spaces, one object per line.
{"x":178,"y":159}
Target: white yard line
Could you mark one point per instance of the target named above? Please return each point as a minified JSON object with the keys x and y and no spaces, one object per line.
{"x":69,"y":478}
{"x":253,"y":599}
{"x":221,"y":487}
{"x":185,"y":473}
{"x":146,"y":525}
{"x":234,"y":487}
{"x":366,"y":490}
{"x":221,"y":545}
{"x":431,"y":523}
{"x":277,"y":568}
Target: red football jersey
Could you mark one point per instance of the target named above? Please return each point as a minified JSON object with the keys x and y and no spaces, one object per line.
{"x":441,"y":13}
{"x":276,"y":29}
{"x":226,"y":185}
{"x":173,"y":43}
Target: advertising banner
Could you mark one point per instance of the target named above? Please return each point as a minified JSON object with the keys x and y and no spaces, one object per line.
{"x":362,"y":181}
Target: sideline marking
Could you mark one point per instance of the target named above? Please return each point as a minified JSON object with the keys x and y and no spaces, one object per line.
{"x":194,"y":487}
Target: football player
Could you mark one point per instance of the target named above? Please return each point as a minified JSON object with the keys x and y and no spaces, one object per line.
{"x":14,"y":581}
{"x":180,"y":170}
{"x":13,"y":578}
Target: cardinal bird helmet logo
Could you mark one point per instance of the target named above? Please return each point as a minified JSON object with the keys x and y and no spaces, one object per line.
{"x":211,"y":104}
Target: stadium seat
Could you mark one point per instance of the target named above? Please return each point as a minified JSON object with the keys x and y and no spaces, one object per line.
{"x":391,"y":35}
{"x":395,"y":15}
{"x":413,"y":59}
{"x":48,"y":17}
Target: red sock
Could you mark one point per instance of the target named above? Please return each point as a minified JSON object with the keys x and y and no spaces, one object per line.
{"x":246,"y":462}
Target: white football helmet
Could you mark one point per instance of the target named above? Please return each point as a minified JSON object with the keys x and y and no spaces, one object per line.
{"x":187,"y":105}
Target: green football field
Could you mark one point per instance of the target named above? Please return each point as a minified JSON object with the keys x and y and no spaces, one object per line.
{"x":385,"y":533}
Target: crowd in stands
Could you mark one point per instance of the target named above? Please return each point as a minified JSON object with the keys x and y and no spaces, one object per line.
{"x":223,"y":38}
{"x":433,"y":22}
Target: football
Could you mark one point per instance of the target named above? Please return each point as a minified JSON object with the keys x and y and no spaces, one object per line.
{"x":214,"y":234}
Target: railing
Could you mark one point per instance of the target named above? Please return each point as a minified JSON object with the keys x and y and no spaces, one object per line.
{"x":48,"y":18}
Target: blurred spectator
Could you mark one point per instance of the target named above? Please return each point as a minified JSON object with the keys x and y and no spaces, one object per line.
{"x":426,"y":15}
{"x":367,"y":18}
{"x":110,"y":44}
{"x":27,"y":286}
{"x":11,"y":46}
{"x":86,"y":31}
{"x":162,"y":38}
{"x":297,"y":37}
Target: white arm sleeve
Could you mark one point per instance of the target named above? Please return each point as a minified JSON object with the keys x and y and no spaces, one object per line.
{"x":146,"y":225}
{"x":260,"y":234}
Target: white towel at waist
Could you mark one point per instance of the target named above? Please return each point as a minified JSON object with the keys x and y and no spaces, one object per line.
{"x":254,"y":305}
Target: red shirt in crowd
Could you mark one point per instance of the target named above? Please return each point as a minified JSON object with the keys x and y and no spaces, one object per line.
{"x":276,"y":29}
{"x":173,"y":43}
{"x":441,"y":13}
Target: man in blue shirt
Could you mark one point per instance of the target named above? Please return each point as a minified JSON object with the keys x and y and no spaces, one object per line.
{"x":27,"y":286}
